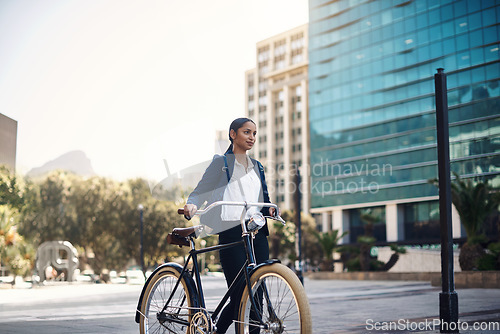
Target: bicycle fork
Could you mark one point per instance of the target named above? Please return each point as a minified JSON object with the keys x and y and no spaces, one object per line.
{"x":251,"y":261}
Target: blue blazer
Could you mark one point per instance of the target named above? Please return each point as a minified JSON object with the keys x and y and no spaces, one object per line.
{"x":212,"y":185}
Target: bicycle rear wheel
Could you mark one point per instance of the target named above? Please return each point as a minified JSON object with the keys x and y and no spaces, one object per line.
{"x":177,"y":315}
{"x":282,"y":302}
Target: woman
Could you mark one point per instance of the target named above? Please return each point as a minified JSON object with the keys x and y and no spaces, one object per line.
{"x":233,"y":177}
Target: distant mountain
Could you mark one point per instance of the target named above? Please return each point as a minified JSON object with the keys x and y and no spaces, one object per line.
{"x":74,"y":161}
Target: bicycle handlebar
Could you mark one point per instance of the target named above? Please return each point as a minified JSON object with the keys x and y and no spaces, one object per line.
{"x":244,"y":204}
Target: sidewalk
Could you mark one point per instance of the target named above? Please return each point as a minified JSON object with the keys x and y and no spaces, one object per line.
{"x":61,"y":290}
{"x":338,"y":306}
{"x":344,"y":306}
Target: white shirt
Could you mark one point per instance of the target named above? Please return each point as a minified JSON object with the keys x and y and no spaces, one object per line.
{"x":244,"y":186}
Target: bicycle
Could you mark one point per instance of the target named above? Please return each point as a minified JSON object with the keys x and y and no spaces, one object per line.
{"x":273,"y":299}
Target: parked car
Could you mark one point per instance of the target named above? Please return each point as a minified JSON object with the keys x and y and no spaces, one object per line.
{"x":135,"y":276}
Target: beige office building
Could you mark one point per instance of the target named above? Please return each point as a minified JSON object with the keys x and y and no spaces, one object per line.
{"x":276,"y":99}
{"x":8,"y":142}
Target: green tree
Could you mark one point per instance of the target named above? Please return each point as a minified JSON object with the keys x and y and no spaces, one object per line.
{"x":474,"y":201}
{"x":10,"y":190}
{"x":160,"y":218}
{"x":50,"y":214}
{"x":329,"y":242}
{"x":100,"y":218}
{"x":15,"y":253}
{"x":359,"y":258}
{"x":95,"y":205}
{"x":282,"y":238}
{"x":366,"y":241}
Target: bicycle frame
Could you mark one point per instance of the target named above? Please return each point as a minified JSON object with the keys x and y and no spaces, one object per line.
{"x":243,"y":275}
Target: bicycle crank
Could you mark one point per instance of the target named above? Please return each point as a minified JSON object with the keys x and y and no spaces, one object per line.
{"x":200,"y":324}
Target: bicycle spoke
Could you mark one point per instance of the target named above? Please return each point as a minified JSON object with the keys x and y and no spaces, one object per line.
{"x":281,"y":302}
{"x":160,"y":320}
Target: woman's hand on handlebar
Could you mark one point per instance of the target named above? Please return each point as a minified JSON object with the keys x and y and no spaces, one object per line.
{"x":189,"y":210}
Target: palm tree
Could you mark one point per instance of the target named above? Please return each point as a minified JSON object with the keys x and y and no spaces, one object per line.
{"x":366,"y":241}
{"x":329,"y":242}
{"x":474,"y":202}
{"x":369,"y":218}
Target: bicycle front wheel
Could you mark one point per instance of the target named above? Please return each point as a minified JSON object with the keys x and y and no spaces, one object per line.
{"x":176,"y":317}
{"x":281,"y":301}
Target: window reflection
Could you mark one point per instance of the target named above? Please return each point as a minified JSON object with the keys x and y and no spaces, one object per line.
{"x":372,"y":89}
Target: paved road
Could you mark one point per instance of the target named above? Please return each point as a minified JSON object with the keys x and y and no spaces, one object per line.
{"x":337,"y":307}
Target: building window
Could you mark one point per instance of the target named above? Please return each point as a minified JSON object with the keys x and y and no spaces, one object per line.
{"x":421,"y":221}
{"x":280,"y":47}
{"x":297,"y":46}
{"x":298,"y":91}
{"x":262,"y":86}
{"x":279,"y":54}
{"x":263,"y":100}
{"x":359,"y":227}
{"x":263,"y":54}
{"x":297,"y":56}
{"x":250,"y":84}
{"x":297,"y":41}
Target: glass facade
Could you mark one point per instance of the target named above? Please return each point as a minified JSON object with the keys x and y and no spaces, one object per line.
{"x":358,"y":227}
{"x":371,"y":96}
{"x":422,"y":221}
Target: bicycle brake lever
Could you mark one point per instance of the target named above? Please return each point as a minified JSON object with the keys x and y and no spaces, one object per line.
{"x":277,"y":218}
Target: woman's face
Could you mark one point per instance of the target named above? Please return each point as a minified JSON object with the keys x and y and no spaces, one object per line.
{"x":244,"y":138}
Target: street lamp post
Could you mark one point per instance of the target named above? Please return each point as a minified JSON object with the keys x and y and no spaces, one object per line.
{"x":203,"y":243}
{"x":140,"y":207}
{"x":298,"y":227}
{"x":448,"y":298}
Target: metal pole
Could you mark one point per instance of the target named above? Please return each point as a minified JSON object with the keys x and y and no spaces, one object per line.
{"x":298,"y":226}
{"x":141,"y":210}
{"x":448,"y":298}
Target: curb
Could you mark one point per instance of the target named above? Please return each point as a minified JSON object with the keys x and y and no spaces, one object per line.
{"x":463,"y":279}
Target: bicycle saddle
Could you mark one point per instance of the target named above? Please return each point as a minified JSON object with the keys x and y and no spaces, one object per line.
{"x":187,"y":231}
{"x":180,"y":235}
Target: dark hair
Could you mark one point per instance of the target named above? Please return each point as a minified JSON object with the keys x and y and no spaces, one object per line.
{"x":235,"y":125}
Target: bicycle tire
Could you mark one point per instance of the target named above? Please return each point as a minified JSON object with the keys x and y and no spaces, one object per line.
{"x":155,"y":297}
{"x":287,"y":297}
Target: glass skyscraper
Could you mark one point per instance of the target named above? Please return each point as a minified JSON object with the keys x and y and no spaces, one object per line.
{"x":372,"y":108}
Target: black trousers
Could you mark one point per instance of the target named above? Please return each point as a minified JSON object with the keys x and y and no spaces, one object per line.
{"x":232,"y":259}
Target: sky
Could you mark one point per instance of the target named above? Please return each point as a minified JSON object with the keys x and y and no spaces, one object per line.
{"x":131,"y":83}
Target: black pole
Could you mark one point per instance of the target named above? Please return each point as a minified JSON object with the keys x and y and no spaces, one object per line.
{"x":141,"y":210}
{"x":298,"y":225}
{"x":448,"y":298}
